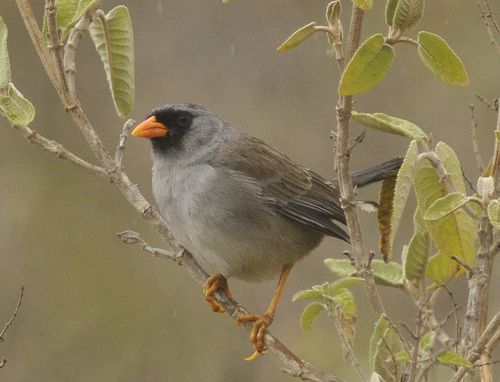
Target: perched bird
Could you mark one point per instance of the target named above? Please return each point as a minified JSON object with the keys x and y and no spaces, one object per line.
{"x":239,"y":206}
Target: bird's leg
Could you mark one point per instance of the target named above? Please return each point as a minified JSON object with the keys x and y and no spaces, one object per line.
{"x":261,"y":323}
{"x":212,"y":285}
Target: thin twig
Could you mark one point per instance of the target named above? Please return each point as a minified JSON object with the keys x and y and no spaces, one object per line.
{"x":490,"y":24}
{"x":475,"y":143}
{"x":58,"y":149}
{"x":127,"y":126}
{"x":56,"y":46}
{"x":14,"y":314}
{"x":489,"y":105}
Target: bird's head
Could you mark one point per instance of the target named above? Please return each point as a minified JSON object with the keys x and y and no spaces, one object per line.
{"x":179,"y":128}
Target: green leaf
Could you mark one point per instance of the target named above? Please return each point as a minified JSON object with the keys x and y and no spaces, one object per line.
{"x":307,"y":294}
{"x":408,"y":13}
{"x":114,"y":42}
{"x":404,"y":182}
{"x":441,"y":268}
{"x":427,"y":340}
{"x":453,"y":359}
{"x":384,"y":217}
{"x":365,"y":5}
{"x":390,"y":359}
{"x":340,"y":267}
{"x":344,"y":298}
{"x":441,"y":59}
{"x":390,"y":8}
{"x":389,"y":124}
{"x":345,"y":282}
{"x":4,"y":58}
{"x":454,"y":234}
{"x":367,"y":67}
{"x":67,"y":15}
{"x":378,"y":332}
{"x":445,"y":206}
{"x":310,"y":314}
{"x":494,"y":213}
{"x":452,"y":165}
{"x":298,"y":37}
{"x":418,"y":252}
{"x":17,"y":109}
{"x":388,"y":274}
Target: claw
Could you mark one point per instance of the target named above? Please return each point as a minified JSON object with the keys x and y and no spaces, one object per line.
{"x":260,"y":325}
{"x":212,"y":285}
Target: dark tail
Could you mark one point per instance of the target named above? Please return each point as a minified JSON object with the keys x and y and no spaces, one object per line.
{"x":375,"y":173}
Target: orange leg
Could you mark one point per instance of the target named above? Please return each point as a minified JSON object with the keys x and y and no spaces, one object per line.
{"x":261,"y":323}
{"x":212,"y":285}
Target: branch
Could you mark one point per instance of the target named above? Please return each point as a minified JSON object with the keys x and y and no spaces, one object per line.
{"x":485,"y":343}
{"x":58,"y":149}
{"x":293,"y":364}
{"x":9,"y":323}
{"x":490,"y":24}
{"x":127,"y":126}
{"x":14,"y":314}
{"x":347,"y":198}
{"x":475,"y":142}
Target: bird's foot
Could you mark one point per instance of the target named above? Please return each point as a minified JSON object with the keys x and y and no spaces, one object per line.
{"x":212,"y":285}
{"x":260,"y":325}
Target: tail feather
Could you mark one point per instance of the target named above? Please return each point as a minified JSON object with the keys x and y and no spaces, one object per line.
{"x":375,"y":173}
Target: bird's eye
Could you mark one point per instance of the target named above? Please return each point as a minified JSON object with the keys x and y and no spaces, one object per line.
{"x":184,"y":119}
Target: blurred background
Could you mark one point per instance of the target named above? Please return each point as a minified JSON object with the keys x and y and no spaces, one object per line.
{"x":98,"y":310}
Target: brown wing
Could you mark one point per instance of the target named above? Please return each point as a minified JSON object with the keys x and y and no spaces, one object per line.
{"x":296,"y":193}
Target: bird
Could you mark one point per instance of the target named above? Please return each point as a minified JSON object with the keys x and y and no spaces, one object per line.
{"x":242,"y":208}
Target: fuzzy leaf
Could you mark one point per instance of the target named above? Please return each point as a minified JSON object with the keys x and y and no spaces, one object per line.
{"x":441,"y":59}
{"x":310,"y":314}
{"x":307,"y":294}
{"x":445,"y":206}
{"x":367,"y":67}
{"x":384,"y":217}
{"x":365,"y":5}
{"x":114,"y":42}
{"x":4,"y":58}
{"x":390,"y":359}
{"x":404,"y":182}
{"x":17,"y":109}
{"x":298,"y":37}
{"x":67,"y":15}
{"x":388,"y":124}
{"x":494,"y":213}
{"x":485,"y":186}
{"x":333,"y":12}
{"x":408,"y":13}
{"x":345,"y":282}
{"x":418,"y":252}
{"x":454,"y":234}
{"x":427,"y":340}
{"x":441,"y":268}
{"x":378,"y":332}
{"x":390,"y":8}
{"x":346,"y":309}
{"x":388,"y":274}
{"x":453,"y":359}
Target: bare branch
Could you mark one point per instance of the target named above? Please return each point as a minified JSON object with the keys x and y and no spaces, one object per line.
{"x":490,"y":24}
{"x":14,"y":314}
{"x":58,"y":149}
{"x":484,"y":343}
{"x":55,"y":47}
{"x":475,"y":143}
{"x":127,"y":126}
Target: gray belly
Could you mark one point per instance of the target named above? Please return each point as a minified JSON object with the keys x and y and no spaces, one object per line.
{"x":226,"y":225}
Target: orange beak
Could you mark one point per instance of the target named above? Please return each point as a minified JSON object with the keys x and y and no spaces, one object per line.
{"x":150,"y":128}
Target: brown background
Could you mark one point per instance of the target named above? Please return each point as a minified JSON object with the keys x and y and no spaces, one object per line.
{"x":97,"y":310}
